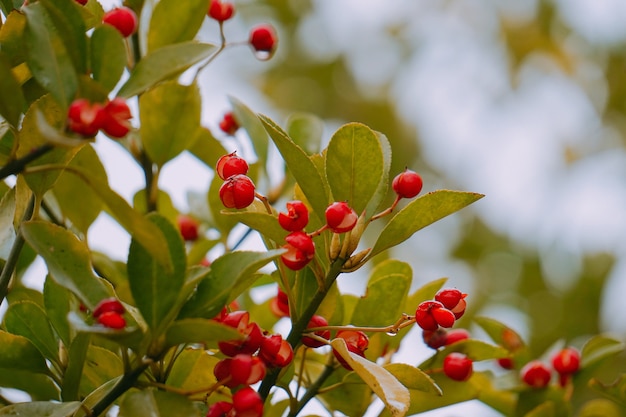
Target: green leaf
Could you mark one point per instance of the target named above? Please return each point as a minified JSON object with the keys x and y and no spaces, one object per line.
{"x":229,"y":274}
{"x":68,"y":260}
{"x":41,"y":409}
{"x":170,"y":23}
{"x":205,"y":331}
{"x":395,"y":395}
{"x":413,"y":378}
{"x":354,"y":165}
{"x":170,"y":116}
{"x":476,"y":350}
{"x":17,"y":353}
{"x":12,"y":101}
{"x":69,"y":186}
{"x":100,"y":366}
{"x":383,"y":185}
{"x":48,"y":57}
{"x":163,"y":64}
{"x":253,"y":126}
{"x":12,"y":37}
{"x":385,"y":295}
{"x":77,"y":355}
{"x":600,"y":407}
{"x":38,"y":386}
{"x":108,"y":56}
{"x":545,"y":409}
{"x":206,"y":148}
{"x":57,"y":301}
{"x":154,"y":289}
{"x":7,"y":231}
{"x":261,"y":221}
{"x":598,"y":348}
{"x":165,"y":206}
{"x":301,"y":167}
{"x":420,"y":213}
{"x":306,"y":130}
{"x":193,"y":371}
{"x":29,"y":320}
{"x":156,"y":404}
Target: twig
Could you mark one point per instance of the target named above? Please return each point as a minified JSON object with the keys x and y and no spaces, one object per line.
{"x":17,"y":165}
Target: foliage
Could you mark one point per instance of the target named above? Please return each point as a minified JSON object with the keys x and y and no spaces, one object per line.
{"x":72,"y":362}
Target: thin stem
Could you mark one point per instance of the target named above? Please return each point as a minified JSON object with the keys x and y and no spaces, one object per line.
{"x":148,"y":172}
{"x":17,"y":165}
{"x":18,"y":244}
{"x":266,"y":203}
{"x":312,"y":391}
{"x":386,"y":211}
{"x":212,"y":57}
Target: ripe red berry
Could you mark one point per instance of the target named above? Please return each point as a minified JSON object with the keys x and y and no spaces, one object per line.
{"x":432,"y":314}
{"x":221,"y":11}
{"x":457,"y":366}
{"x":453,"y":300}
{"x":456,"y":335}
{"x":407,"y":184}
{"x":247,"y":403}
{"x":253,"y":336}
{"x":112,"y":320}
{"x":237,"y":192}
{"x":435,"y":338}
{"x":296,"y":218}
{"x":263,"y":39}
{"x":279,"y":305}
{"x":241,"y":369}
{"x":85,"y":118}
{"x":82,"y":2}
{"x":123,"y":19}
{"x":340,"y":217}
{"x":356,"y":342}
{"x":116,"y":121}
{"x":228,"y":124}
{"x":108,"y":305}
{"x":220,"y":409}
{"x":566,"y":361}
{"x":535,"y":374}
{"x":300,"y":250}
{"x":231,"y":164}
{"x":275,"y":351}
{"x":316,"y":321}
{"x":188,"y":227}
{"x":506,"y":363}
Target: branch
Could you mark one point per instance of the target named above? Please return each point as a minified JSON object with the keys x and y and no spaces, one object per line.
{"x":16,"y":166}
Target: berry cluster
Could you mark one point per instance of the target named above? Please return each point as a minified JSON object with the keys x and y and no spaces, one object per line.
{"x":87,"y":118}
{"x":238,"y":190}
{"x":447,"y":307}
{"x":110,"y":313}
{"x":565,"y":363}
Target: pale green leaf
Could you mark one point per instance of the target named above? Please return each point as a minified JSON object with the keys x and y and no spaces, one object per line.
{"x":19,"y":354}
{"x":205,"y":331}
{"x":250,"y":122}
{"x":170,"y":23}
{"x":155,"y":403}
{"x":41,"y":409}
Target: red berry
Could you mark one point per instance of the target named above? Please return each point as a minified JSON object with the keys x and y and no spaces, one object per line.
{"x":220,"y":409}
{"x":108,"y":305}
{"x":456,"y":335}
{"x":237,"y":192}
{"x":263,"y":38}
{"x":231,"y":164}
{"x":275,"y":351}
{"x":316,"y":321}
{"x":251,"y":331}
{"x":506,"y":363}
{"x":535,"y":374}
{"x":123,"y":19}
{"x":241,"y":369}
{"x":112,"y":320}
{"x":453,"y":300}
{"x":435,"y":338}
{"x":566,"y":361}
{"x":457,"y":366}
{"x":300,"y":250}
{"x":247,"y":403}
{"x":85,"y":118}
{"x":443,"y":317}
{"x":340,"y":217}
{"x":221,"y":11}
{"x":432,"y":314}
{"x":356,"y":342}
{"x":296,"y":218}
{"x":228,"y":124}
{"x":280,"y":304}
{"x":407,"y":184}
{"x":82,"y":2}
{"x":117,"y":115}
{"x":188,"y":227}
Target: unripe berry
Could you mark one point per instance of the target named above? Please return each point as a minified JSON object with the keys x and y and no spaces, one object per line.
{"x":112,"y":320}
{"x":117,"y":115}
{"x":457,"y":366}
{"x":221,"y":11}
{"x":123,"y":19}
{"x":228,"y":124}
{"x":188,"y":227}
{"x":340,"y":217}
{"x":316,"y":321}
{"x":296,"y":218}
{"x":231,"y":164}
{"x":456,"y":335}
{"x":108,"y":305}
{"x":275,"y":351}
{"x":535,"y":374}
{"x":300,"y":250}
{"x":237,"y":192}
{"x":263,"y":39}
{"x":85,"y":118}
{"x":247,"y":403}
{"x":566,"y":361}
{"x":407,"y":184}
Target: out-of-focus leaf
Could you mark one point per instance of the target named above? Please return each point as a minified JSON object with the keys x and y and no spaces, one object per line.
{"x":154,"y":289}
{"x":57,"y":302}
{"x":165,"y":206}
{"x":616,"y":391}
{"x":12,"y":102}
{"x":306,"y":131}
{"x":598,"y":348}
{"x":163,"y":64}
{"x":68,"y":260}
{"x":600,"y":407}
{"x":249,"y":120}
{"x":206,"y":148}
{"x":170,"y":116}
{"x":108,"y":56}
{"x":476,"y":350}
{"x":41,"y":409}
{"x":39,"y":386}
{"x":204,"y":331}
{"x":48,"y":57}
{"x":157,"y":404}
{"x":420,"y":213}
{"x":7,"y":231}
{"x":354,"y":165}
{"x":29,"y":320}
{"x":170,"y":23}
{"x":19,"y":354}
{"x":12,"y":37}
{"x":425,"y":292}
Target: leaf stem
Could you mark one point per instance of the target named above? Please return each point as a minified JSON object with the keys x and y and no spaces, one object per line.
{"x":17,"y":165}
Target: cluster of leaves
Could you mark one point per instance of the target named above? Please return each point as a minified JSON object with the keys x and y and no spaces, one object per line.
{"x":52,"y":52}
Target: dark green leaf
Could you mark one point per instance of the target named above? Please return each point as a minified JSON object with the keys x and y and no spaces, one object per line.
{"x":39,"y":386}
{"x":154,"y":289}
{"x":170,"y":116}
{"x":41,"y":409}
{"x":29,"y":320}
{"x":108,"y":56}
{"x":157,"y":404}
{"x":57,"y":301}
{"x":354,"y":165}
{"x":12,"y":102}
{"x":19,"y":354}
{"x":77,"y":355}
{"x":420,"y":213}
{"x":162,"y":64}
{"x":170,"y":23}
{"x":12,"y":37}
